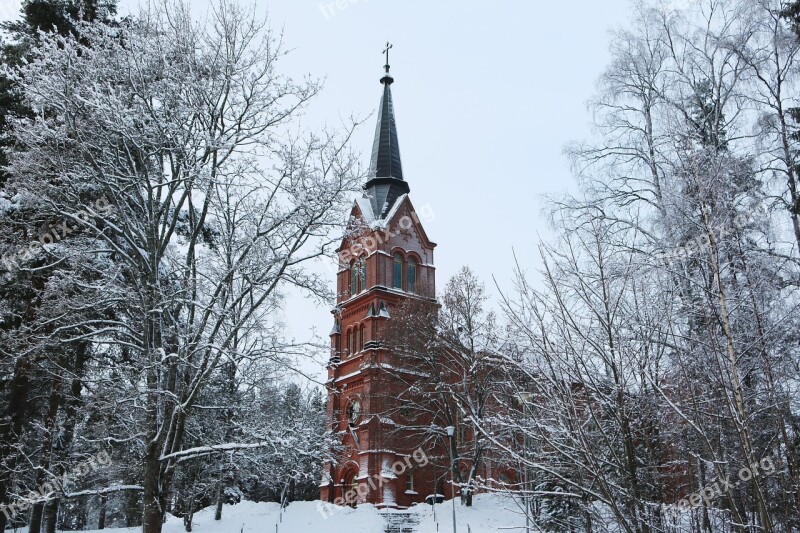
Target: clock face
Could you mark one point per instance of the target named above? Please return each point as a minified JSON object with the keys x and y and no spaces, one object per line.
{"x":354,"y":411}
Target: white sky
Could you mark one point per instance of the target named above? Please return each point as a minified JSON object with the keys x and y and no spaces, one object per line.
{"x":486,"y":95}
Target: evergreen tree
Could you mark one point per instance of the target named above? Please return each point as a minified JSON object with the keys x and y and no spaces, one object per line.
{"x":40,"y":383}
{"x":61,"y":16}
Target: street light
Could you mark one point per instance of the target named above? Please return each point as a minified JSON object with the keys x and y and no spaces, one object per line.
{"x":450,"y":432}
{"x":525,"y":398}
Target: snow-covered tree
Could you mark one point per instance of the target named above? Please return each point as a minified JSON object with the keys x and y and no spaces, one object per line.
{"x":660,"y":350}
{"x":212,"y":204}
{"x":451,"y":369}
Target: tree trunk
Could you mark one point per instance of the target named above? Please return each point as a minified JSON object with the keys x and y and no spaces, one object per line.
{"x":35,"y":525}
{"x":11,"y":427}
{"x":738,"y":404}
{"x":37,"y":511}
{"x":50,"y":516}
{"x":60,"y":448}
{"x":187,"y":518}
{"x":587,"y":516}
{"x":791,"y":173}
{"x":133,"y":515}
{"x":700,"y":484}
{"x":101,"y":517}
{"x":81,"y":517}
{"x":152,"y":510}
{"x":220,"y":494}
{"x":152,"y":514}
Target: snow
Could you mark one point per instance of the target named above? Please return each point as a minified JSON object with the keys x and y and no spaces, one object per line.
{"x":5,"y":205}
{"x":365,"y":205}
{"x":347,"y":376}
{"x":489,"y":513}
{"x":382,"y":223}
{"x":393,"y":368}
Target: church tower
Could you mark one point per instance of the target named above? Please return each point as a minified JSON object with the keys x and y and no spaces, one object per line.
{"x":385,"y":259}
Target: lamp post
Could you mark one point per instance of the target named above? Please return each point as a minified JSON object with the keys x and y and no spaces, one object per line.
{"x":524,"y":398}
{"x":450,"y":432}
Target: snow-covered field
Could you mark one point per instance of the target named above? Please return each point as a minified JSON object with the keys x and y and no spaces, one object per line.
{"x":490,"y":513}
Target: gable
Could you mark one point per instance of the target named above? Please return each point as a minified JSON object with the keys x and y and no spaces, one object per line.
{"x":404,"y":216}
{"x":401,"y":228}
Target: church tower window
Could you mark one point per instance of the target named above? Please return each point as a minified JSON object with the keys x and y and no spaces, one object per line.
{"x":412,"y":275}
{"x":397,"y":277}
{"x":349,"y":342}
{"x":353,"y":279}
{"x":362,"y":275}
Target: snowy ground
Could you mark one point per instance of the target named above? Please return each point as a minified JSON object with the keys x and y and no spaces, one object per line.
{"x":490,"y":513}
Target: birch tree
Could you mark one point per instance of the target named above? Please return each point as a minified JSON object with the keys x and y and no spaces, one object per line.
{"x":669,"y":298}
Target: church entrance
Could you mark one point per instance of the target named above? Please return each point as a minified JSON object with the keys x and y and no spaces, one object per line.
{"x":350,"y":489}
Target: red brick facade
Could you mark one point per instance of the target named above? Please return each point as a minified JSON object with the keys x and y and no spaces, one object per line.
{"x":378,"y":255}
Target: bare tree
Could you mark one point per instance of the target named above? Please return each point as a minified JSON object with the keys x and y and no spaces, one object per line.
{"x":450,"y":372}
{"x":669,"y":298}
{"x":184,"y":129}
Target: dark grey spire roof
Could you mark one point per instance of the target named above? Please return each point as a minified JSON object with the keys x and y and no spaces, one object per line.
{"x":385,"y":161}
{"x":386,"y":170}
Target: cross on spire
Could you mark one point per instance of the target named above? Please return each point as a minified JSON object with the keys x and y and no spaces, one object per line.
{"x":387,"y":78}
{"x":389,"y":46}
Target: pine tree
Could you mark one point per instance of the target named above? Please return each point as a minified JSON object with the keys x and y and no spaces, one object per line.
{"x":29,"y":296}
{"x":61,"y":16}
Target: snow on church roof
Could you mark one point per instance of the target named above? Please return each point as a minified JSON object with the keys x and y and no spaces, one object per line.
{"x":366,"y":209}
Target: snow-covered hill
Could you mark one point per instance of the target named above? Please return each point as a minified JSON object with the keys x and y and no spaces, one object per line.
{"x":490,"y":513}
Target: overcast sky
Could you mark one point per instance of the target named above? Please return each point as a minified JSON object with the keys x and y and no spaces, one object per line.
{"x":486,"y":94}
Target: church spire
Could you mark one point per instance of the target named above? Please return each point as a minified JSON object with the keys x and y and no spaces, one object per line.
{"x":386,"y":171}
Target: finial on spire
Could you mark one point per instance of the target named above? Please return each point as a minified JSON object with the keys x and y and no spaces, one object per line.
{"x":387,"y":79}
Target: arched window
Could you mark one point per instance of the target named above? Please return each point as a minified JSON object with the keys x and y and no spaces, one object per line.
{"x":397,"y":276}
{"x":460,"y":435}
{"x":349,"y":342}
{"x":412,"y":275}
{"x":361,"y":337}
{"x":353,"y":279}
{"x":362,"y":275}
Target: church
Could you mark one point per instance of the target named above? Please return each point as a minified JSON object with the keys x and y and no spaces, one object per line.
{"x":385,"y":259}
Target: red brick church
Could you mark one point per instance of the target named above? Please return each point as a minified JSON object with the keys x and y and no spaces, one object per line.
{"x":385,"y":259}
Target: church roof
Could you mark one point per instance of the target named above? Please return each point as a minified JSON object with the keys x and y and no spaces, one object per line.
{"x":365,"y":206}
{"x":386,"y":182}
{"x":385,"y":162}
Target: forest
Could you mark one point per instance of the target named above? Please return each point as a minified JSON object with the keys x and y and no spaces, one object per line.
{"x":158,"y":200}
